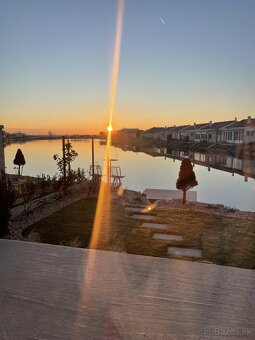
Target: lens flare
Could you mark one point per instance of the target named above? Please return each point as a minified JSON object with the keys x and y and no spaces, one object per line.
{"x":101,"y":224}
{"x":149,"y":208}
{"x":102,"y":216}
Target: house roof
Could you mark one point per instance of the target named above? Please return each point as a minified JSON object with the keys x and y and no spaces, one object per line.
{"x":218,"y":125}
{"x":243,"y":123}
{"x":170,"y":128}
{"x":130,"y":129}
{"x":196,"y":127}
{"x":178,"y":128}
{"x":155,"y":129}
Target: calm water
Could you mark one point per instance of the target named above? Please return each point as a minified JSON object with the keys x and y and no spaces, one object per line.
{"x":141,"y":170}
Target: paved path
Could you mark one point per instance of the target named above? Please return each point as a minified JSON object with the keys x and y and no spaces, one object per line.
{"x":60,"y":293}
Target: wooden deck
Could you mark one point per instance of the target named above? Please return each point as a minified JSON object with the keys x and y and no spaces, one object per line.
{"x":55,"y":292}
{"x":164,"y":194}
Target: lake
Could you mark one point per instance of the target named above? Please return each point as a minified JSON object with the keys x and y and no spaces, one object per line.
{"x":158,"y":168}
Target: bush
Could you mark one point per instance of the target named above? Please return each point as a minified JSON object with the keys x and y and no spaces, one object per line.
{"x":4,"y":208}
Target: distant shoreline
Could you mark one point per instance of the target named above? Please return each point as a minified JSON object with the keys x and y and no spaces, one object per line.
{"x":31,"y":138}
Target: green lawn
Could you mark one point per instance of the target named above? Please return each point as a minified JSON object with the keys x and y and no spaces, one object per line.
{"x":72,"y":226}
{"x":223,"y":239}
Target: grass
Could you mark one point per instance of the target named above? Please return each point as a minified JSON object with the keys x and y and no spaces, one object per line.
{"x":72,"y":226}
{"x":223,"y":239}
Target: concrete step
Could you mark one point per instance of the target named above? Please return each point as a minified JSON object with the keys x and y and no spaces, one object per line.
{"x":136,"y":209}
{"x":143,"y":217}
{"x":154,"y":225}
{"x":167,"y":237}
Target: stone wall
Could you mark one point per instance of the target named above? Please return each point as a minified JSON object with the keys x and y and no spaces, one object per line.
{"x":45,"y":200}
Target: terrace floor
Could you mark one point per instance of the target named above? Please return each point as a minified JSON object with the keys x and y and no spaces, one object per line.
{"x":56,"y":292}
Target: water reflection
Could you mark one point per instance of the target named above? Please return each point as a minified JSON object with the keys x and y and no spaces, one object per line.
{"x":220,"y":161}
{"x":224,"y":162}
{"x":229,"y":180}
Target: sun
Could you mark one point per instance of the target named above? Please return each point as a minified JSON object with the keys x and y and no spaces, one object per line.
{"x":109,"y":128}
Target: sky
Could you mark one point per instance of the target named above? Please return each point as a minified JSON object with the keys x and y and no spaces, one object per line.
{"x":56,"y":63}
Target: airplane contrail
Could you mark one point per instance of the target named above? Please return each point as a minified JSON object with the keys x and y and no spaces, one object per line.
{"x":162,"y":20}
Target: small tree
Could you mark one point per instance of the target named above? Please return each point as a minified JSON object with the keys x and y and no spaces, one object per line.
{"x":19,"y":160}
{"x":187,"y":178}
{"x":70,"y":155}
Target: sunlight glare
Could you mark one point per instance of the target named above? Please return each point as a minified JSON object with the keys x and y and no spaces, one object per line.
{"x":102,"y":217}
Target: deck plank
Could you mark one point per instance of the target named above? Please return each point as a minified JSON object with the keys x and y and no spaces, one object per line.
{"x":56,"y":292}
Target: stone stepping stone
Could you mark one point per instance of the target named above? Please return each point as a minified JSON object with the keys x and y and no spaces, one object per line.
{"x":154,"y":225}
{"x":135,"y":209}
{"x":144,"y":217}
{"x":167,"y":237}
{"x":184,"y":252}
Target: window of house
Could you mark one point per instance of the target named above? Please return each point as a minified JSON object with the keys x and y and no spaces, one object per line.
{"x":230,"y":135}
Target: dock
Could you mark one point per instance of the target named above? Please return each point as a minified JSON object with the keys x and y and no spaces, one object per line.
{"x":167,"y":195}
{"x":55,"y":292}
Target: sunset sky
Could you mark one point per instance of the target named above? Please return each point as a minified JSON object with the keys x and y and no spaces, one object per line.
{"x":57,"y":55}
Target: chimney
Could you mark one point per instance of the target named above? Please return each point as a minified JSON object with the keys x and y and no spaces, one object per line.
{"x":195,"y":125}
{"x":210,"y":123}
{"x":249,"y":119}
{"x":236,"y":119}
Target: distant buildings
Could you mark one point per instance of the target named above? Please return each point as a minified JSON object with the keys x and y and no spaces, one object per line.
{"x":174,"y":132}
{"x":241,"y":132}
{"x":154,"y":133}
{"x":193,"y":133}
{"x":133,"y":133}
{"x":226,"y":132}
{"x":17,"y":136}
{"x":215,"y":132}
{"x":2,"y":161}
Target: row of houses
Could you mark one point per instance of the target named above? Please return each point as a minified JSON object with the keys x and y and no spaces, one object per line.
{"x":225,"y":132}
